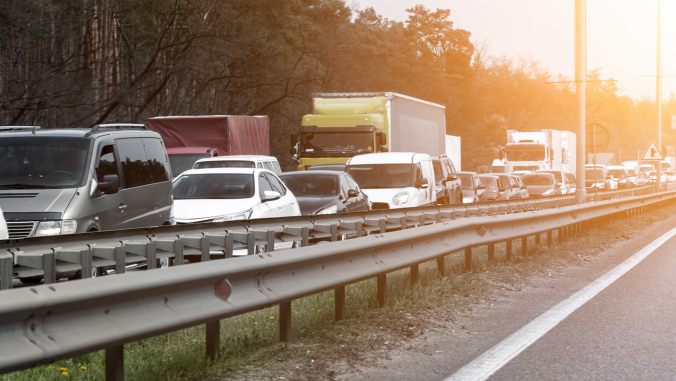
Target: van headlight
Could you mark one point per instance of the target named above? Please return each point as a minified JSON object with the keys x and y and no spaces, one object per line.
{"x":333,"y":209}
{"x":467,"y":200}
{"x":56,"y":227}
{"x":400,"y":198}
{"x":244,"y":215}
{"x":549,"y":192}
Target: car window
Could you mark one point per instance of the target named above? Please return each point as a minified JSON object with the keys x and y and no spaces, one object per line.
{"x":438,"y":172}
{"x":259,"y":165}
{"x":107,"y":163}
{"x":450,"y":167}
{"x":263,"y":185}
{"x":277,"y":168}
{"x":344,"y":187}
{"x":158,"y":162}
{"x":277,"y":185}
{"x":136,"y":169}
{"x":268,"y":165}
{"x":418,"y":173}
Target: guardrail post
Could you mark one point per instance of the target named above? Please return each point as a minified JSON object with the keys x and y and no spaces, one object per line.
{"x":549,"y":238}
{"x":49,"y":267}
{"x":204,"y":249}
{"x":382,"y":289}
{"x":115,"y":363}
{"x":441,"y":265}
{"x":491,"y":252}
{"x":340,"y":302}
{"x":120,"y":260}
{"x":86,"y":264}
{"x":151,"y":255}
{"x":178,"y":251}
{"x":468,"y":259}
{"x":6,"y":271}
{"x":285,"y":322}
{"x":305,"y":236}
{"x":415,"y":276}
{"x":560,"y":235}
{"x":537,"y":239}
{"x":508,"y":249}
{"x":524,"y":246}
{"x":213,"y":332}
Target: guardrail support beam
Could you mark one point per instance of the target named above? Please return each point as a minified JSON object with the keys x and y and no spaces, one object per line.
{"x":491,"y":252}
{"x":49,"y":267}
{"x":468,"y":259}
{"x":415,"y":274}
{"x":441,"y":265}
{"x":285,"y":322}
{"x":115,"y":363}
{"x":382,"y":289}
{"x":6,"y":271}
{"x":213,"y":333}
{"x":340,"y":302}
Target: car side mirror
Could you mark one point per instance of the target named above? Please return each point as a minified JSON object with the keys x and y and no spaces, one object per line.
{"x":481,"y":186}
{"x":270,"y":196}
{"x":451,"y":177}
{"x":384,"y":149}
{"x":110,"y":184}
{"x":352,"y":193}
{"x":423,"y":183}
{"x":523,"y":187}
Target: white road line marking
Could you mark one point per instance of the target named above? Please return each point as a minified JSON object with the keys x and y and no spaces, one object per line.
{"x":498,"y":356}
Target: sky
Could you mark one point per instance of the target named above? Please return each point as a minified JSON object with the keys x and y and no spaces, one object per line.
{"x":621,"y":34}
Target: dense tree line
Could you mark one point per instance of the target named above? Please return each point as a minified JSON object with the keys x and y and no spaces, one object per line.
{"x":74,"y":63}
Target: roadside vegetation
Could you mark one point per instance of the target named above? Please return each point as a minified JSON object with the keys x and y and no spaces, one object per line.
{"x":320,"y":347}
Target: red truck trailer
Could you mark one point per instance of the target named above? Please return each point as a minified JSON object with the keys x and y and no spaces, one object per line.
{"x":190,"y":138}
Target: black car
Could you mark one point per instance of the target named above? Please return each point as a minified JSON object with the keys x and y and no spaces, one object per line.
{"x":326,"y":192}
{"x":448,"y":186}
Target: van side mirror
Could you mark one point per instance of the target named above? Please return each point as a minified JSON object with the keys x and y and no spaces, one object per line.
{"x":450,"y":177}
{"x":481,"y":186}
{"x":382,"y":138}
{"x":110,"y":184}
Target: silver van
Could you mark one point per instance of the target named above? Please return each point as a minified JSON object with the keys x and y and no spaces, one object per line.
{"x":109,"y":177}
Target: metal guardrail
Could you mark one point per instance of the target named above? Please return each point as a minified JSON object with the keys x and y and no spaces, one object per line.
{"x":86,"y":253}
{"x":42,"y":324}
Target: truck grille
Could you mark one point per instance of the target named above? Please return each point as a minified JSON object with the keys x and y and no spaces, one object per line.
{"x":20,"y":229}
{"x":380,"y":205}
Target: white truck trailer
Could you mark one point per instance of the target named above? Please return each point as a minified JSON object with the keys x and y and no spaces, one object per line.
{"x":539,"y":149}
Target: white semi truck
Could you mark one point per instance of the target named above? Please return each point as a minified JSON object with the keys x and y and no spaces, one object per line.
{"x":539,"y":149}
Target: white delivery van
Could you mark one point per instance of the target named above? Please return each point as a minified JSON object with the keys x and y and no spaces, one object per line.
{"x":394,"y":180}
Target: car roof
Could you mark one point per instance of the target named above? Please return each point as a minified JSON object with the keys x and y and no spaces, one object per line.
{"x":203,"y":171}
{"x":238,"y":157}
{"x":311,"y":173}
{"x":76,"y":132}
{"x":386,"y":158}
{"x":466,"y":173}
{"x":489,"y":176}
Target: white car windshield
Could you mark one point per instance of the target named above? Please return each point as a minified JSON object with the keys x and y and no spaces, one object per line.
{"x":383,"y":175}
{"x":214,"y":186}
{"x":537,"y":180}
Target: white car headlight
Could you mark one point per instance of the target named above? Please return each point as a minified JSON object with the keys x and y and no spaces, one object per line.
{"x":330,"y":210}
{"x":400,"y":198}
{"x":244,"y":215}
{"x":56,"y":227}
{"x":467,"y":200}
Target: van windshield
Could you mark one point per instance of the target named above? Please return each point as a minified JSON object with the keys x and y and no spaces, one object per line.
{"x":373,"y":176}
{"x":226,"y":164}
{"x":34,"y":162}
{"x":214,"y":186}
{"x":537,"y":180}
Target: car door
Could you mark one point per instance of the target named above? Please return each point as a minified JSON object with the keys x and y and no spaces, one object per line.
{"x":288,"y":204}
{"x":106,"y":207}
{"x":361,"y":201}
{"x":270,"y":208}
{"x":348,"y":201}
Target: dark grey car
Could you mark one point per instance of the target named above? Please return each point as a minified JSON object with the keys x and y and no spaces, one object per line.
{"x":326,"y":192}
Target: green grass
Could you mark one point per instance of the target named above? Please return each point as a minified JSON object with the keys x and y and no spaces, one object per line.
{"x":250,"y":342}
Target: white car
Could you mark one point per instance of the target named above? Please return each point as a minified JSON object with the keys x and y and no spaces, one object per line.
{"x":394,"y":180}
{"x":240,"y":161}
{"x":4,"y":234}
{"x":227,"y":194}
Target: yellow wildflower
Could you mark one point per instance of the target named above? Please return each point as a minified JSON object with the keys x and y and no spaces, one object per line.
{"x":83,"y":367}
{"x":63,"y":369}
{"x":64,"y":373}
{"x":272,"y":318}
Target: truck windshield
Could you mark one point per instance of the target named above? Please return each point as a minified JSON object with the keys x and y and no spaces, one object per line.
{"x":526,"y":152}
{"x":34,"y":162}
{"x":184,"y":161}
{"x":384,"y":176}
{"x":214,"y":186}
{"x":335,"y":144}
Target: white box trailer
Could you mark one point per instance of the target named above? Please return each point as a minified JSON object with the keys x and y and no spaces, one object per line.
{"x":453,"y":151}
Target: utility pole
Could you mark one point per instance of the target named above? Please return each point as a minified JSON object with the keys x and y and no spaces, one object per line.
{"x":580,"y":83}
{"x":658,"y":97}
